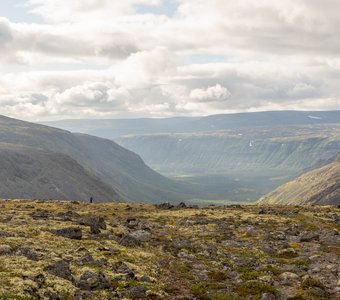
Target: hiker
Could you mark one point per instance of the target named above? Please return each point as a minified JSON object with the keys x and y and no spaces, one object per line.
{"x":91,"y":200}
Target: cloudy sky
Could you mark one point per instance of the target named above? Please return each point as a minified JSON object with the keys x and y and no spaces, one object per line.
{"x":160,"y":58}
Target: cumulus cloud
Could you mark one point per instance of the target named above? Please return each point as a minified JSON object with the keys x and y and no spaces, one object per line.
{"x":212,"y":93}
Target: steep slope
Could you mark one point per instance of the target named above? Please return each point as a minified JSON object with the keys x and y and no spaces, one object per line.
{"x":28,"y":173}
{"x":117,"y":167}
{"x":261,"y":149}
{"x":115,"y":128}
{"x":320,"y":186}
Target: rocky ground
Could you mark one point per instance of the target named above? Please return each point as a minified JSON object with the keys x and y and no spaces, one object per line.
{"x":71,"y":250}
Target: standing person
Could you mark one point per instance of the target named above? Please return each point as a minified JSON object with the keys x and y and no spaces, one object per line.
{"x":91,"y":200}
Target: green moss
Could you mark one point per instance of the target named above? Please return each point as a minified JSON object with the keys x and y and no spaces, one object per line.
{"x":16,"y":297}
{"x":200,"y":290}
{"x":254,"y":288}
{"x":217,"y":276}
{"x":311,"y":282}
{"x":222,"y":296}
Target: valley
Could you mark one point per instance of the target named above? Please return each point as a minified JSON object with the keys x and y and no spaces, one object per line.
{"x":236,"y":157}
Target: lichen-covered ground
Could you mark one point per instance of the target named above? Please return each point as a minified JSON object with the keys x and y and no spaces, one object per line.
{"x":70,"y":250}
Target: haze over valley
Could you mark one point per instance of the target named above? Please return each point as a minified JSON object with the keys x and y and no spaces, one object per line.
{"x":235,"y":157}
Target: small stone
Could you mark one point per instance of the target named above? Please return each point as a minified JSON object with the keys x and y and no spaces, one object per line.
{"x":135,"y":292}
{"x":6,"y":234}
{"x":288,"y":276}
{"x":129,"y":240}
{"x":141,"y":235}
{"x":181,"y":205}
{"x":92,"y":281}
{"x":28,"y":253}
{"x":145,"y":278}
{"x":164,"y":206}
{"x":122,"y":268}
{"x":309,"y":236}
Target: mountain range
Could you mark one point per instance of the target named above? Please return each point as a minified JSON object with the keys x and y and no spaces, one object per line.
{"x":115,"y":128}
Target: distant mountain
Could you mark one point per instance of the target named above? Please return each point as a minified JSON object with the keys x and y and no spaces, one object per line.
{"x":320,"y":186}
{"x":114,"y":128}
{"x":288,"y":148}
{"x":113,"y":168}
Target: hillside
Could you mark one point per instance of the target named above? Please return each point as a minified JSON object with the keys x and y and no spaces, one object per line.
{"x":320,"y":186}
{"x":122,"y":170}
{"x":68,"y":250}
{"x":114,"y":128}
{"x":28,"y":173}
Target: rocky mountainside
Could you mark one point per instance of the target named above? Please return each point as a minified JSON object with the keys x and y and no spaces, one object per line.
{"x":68,"y":250}
{"x":111,"y":166}
{"x":320,"y":186}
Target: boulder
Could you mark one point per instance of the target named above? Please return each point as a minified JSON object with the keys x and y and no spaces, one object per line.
{"x":70,"y":233}
{"x":60,"y":269}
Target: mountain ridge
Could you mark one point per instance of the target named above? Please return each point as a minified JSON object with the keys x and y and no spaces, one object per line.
{"x":121,"y":169}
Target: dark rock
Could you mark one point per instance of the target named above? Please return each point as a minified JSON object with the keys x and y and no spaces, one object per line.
{"x":6,"y":234}
{"x":165,"y":206}
{"x":95,"y":223}
{"x":262,"y":211}
{"x":40,"y":214}
{"x":309,"y":236}
{"x":60,"y":269}
{"x":135,"y":292}
{"x":145,"y":278}
{"x":181,"y":205}
{"x":93,"y":281}
{"x":68,"y":215}
{"x":6,"y":220}
{"x":122,"y":268}
{"x":71,"y":233}
{"x":87,"y":259}
{"x":28,"y":253}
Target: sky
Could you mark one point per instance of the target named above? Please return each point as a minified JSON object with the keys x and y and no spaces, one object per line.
{"x":163,"y":58}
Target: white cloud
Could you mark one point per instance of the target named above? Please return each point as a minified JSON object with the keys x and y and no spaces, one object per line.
{"x":103,"y":58}
{"x":212,"y":93}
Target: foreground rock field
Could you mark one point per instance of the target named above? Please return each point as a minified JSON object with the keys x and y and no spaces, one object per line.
{"x":71,"y":250}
